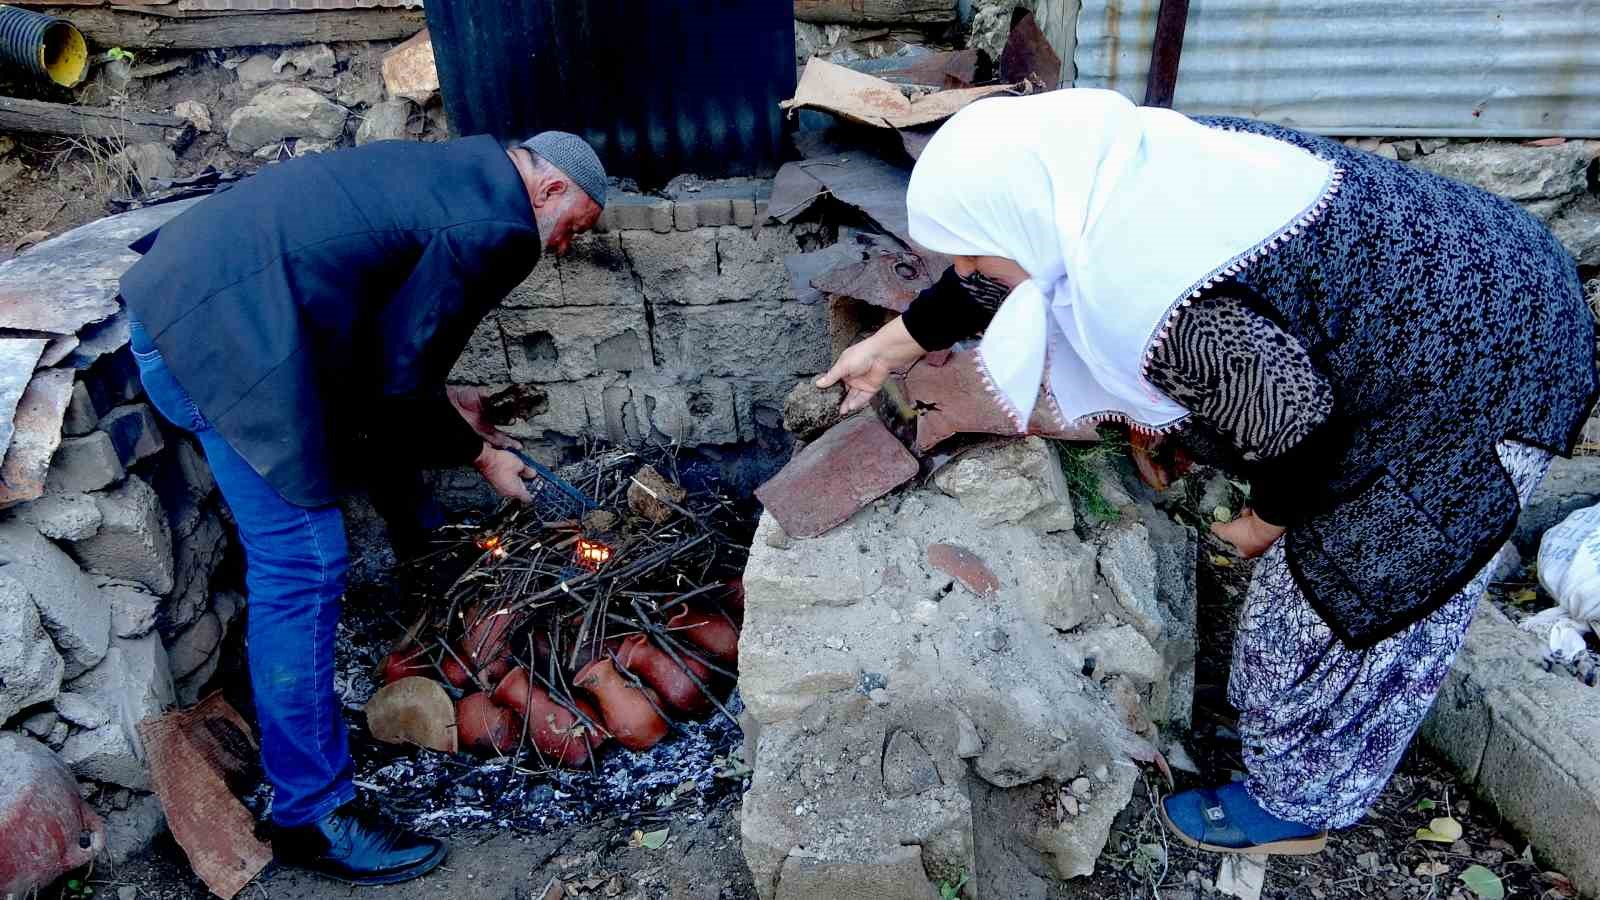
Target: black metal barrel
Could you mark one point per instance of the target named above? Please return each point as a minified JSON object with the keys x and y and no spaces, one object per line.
{"x":42,"y":45}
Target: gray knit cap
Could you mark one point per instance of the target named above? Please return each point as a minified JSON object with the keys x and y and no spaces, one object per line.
{"x":573,"y":156}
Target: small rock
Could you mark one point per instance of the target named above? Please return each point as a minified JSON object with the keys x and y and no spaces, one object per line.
{"x":879,"y":697}
{"x":63,"y":517}
{"x":1102,"y":774}
{"x":1080,"y":788}
{"x":284,"y":111}
{"x":316,"y":61}
{"x":809,"y":410}
{"x":387,"y":121}
{"x":1242,"y":876}
{"x":996,"y":640}
{"x":646,"y":492}
{"x":195,"y":113}
{"x":1069,"y":804}
{"x":144,"y":163}
{"x":260,"y":69}
{"x":908,"y":768}
{"x":307,"y":148}
{"x":127,"y":892}
{"x":81,"y":710}
{"x":409,"y":70}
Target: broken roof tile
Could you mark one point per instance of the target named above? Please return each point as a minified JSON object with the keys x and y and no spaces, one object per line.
{"x":853,"y":464}
{"x":951,"y":399}
{"x":964,"y":566}
{"x":36,"y":435}
{"x":18,"y":358}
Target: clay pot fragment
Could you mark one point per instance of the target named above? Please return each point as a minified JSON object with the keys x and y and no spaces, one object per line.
{"x":656,"y":668}
{"x":488,"y":729}
{"x":406,"y":661}
{"x":711,"y":632}
{"x":626,"y":710}
{"x":413,"y":710}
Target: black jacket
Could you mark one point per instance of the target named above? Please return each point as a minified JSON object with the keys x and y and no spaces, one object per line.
{"x":327,"y":298}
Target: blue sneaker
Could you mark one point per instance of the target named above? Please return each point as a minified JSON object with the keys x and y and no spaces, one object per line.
{"x":1228,"y":820}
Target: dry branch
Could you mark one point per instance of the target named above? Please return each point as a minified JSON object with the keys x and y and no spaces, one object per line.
{"x":131,"y":126}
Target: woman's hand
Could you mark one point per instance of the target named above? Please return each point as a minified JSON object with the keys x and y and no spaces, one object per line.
{"x":469,"y":402}
{"x":1249,"y":534}
{"x":865,"y":366}
{"x":505,"y":473}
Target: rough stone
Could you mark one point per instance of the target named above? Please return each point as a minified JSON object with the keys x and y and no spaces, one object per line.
{"x":135,"y":432}
{"x":130,"y":831}
{"x":388,"y":121}
{"x":81,"y":711}
{"x":134,"y":542}
{"x":63,"y":517}
{"x":1121,"y":651}
{"x":1571,"y":485}
{"x":195,"y":560}
{"x":132,"y":683}
{"x":195,"y":646}
{"x":30,"y":667}
{"x":409,"y":70}
{"x":142,"y":164}
{"x":72,"y":609}
{"x":1073,"y":846}
{"x":809,"y":410}
{"x":259,"y":70}
{"x":195,"y":113}
{"x":574,"y":342}
{"x":758,"y":338}
{"x":895,"y":873}
{"x":1128,"y":564}
{"x":908,"y":769}
{"x":40,"y":724}
{"x":81,"y":417}
{"x":281,"y":112}
{"x":86,"y":463}
{"x":314,"y":61}
{"x":1011,"y":481}
{"x":1578,"y":227}
{"x":1516,"y":171}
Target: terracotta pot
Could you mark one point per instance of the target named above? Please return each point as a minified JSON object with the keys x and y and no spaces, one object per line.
{"x":455,"y":673}
{"x":489,"y":674}
{"x":512,"y":691}
{"x":656,"y":668}
{"x":488,"y":636}
{"x":711,"y":632}
{"x":559,"y":734}
{"x":587,"y":655}
{"x":45,"y":829}
{"x":482,"y":726}
{"x":625,"y":710}
{"x":733,"y":600}
{"x":405,"y":662}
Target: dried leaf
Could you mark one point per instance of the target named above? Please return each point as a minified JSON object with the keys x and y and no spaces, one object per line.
{"x":1484,"y":883}
{"x":655,"y":840}
{"x":1220,"y":561}
{"x":1432,"y":869}
{"x":1526,"y":595}
{"x":1443,"y":830}
{"x":1222,"y":514}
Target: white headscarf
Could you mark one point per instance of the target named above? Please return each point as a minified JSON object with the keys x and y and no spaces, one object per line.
{"x":1118,"y":213}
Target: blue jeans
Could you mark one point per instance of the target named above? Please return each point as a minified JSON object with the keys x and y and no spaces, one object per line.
{"x":296,"y":558}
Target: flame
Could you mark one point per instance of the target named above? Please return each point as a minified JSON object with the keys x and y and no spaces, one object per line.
{"x":493,"y":545}
{"x":592,"y":554}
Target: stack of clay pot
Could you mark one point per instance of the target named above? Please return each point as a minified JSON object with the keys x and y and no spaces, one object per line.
{"x":505,"y":710}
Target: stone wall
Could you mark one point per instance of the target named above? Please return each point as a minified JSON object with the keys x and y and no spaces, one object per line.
{"x":116,"y":593}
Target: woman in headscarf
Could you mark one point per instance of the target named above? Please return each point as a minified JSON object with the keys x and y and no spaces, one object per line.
{"x":1392,"y":358}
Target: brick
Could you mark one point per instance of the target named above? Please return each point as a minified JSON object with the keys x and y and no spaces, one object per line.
{"x":675,"y":268}
{"x":134,"y":431}
{"x":685,"y":217}
{"x":631,"y":212}
{"x":952,"y":399}
{"x":853,"y":464}
{"x":483,"y":360}
{"x":597,"y":272}
{"x":81,"y":417}
{"x":661,"y":216}
{"x":134,"y":542}
{"x":565,"y":344}
{"x":72,"y":609}
{"x":756,"y":338}
{"x":86,"y":463}
{"x":751,"y":263}
{"x":542,"y":287}
{"x":744,"y":213}
{"x":713,"y":212}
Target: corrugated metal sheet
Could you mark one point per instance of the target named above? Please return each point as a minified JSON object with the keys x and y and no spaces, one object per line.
{"x":659,"y":88}
{"x":1525,"y":68}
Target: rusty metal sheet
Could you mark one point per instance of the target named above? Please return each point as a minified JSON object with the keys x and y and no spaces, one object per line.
{"x":793,"y":192}
{"x":1029,"y":57}
{"x":70,"y":281}
{"x":804,"y":267}
{"x":888,"y":277}
{"x":193,"y":754}
{"x":876,"y":187}
{"x":862,"y":98}
{"x":35,"y":437}
{"x":946,"y":70}
{"x":18,"y":358}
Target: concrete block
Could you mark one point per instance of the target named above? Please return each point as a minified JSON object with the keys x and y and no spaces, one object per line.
{"x":712,"y":212}
{"x":72,"y":609}
{"x":699,"y":412}
{"x":81,"y":417}
{"x":483,"y":361}
{"x":760,"y":406}
{"x":597,"y":272}
{"x":661,"y":218}
{"x":30,"y":667}
{"x":631,"y":212}
{"x":87,"y":463}
{"x":134,"y":431}
{"x":757,"y":338}
{"x":62,"y":517}
{"x":572,"y":409}
{"x":571,"y":343}
{"x":675,"y":268}
{"x":685,"y":217}
{"x":134,"y":542}
{"x":751,"y":265}
{"x":542,"y":287}
{"x":744,"y":213}
{"x":132,"y":683}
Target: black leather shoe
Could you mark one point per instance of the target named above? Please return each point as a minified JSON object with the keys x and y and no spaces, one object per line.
{"x":359,"y":847}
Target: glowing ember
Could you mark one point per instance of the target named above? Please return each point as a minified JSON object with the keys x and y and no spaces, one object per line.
{"x":492,"y":544}
{"x":592,"y":554}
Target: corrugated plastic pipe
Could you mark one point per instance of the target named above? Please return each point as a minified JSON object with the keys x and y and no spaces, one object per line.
{"x":42,"y":45}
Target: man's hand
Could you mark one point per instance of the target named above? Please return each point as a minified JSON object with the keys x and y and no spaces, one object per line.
{"x":865,"y":366}
{"x":1249,"y":534}
{"x":469,"y":402}
{"x":505,"y":473}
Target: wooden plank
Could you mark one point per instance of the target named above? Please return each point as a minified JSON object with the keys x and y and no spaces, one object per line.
{"x":126,"y":27}
{"x":38,"y":117}
{"x":873,"y":12}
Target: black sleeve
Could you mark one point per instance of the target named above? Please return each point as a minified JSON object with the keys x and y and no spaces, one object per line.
{"x":1255,"y":385}
{"x":945,"y":313}
{"x":423,"y":430}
